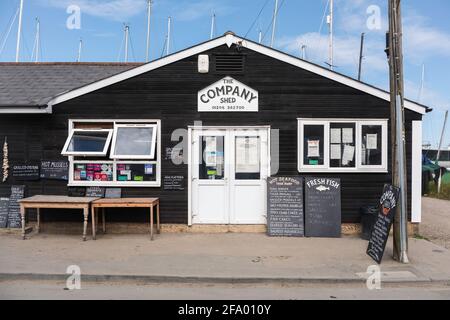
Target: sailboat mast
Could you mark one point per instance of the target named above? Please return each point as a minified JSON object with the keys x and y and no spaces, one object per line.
{"x":331,"y":44}
{"x":80,"y":46}
{"x":38,"y":27}
{"x":275,"y":13}
{"x":127,"y":28}
{"x":149,"y":13}
{"x":169,"y":25}
{"x":19,"y":31}
{"x":213,"y":25}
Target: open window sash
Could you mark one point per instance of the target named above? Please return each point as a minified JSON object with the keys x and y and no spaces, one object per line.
{"x":134,"y":141}
{"x":87,"y":142}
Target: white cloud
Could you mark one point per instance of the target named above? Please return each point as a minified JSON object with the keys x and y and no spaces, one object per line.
{"x":117,"y":10}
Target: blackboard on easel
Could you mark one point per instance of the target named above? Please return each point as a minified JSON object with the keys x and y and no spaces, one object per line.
{"x":4,"y":208}
{"x":323,"y":207}
{"x":380,"y":233}
{"x":285,"y":207}
{"x":14,"y":217}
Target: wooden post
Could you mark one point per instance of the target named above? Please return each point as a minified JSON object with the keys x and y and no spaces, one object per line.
{"x":94,"y":226}
{"x":38,"y":220}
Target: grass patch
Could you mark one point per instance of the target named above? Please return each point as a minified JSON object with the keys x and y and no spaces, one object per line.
{"x":445,"y":191}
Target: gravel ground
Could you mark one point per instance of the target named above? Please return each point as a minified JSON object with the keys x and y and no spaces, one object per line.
{"x":435,"y":224}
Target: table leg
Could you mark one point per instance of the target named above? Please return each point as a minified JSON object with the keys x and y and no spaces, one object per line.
{"x":38,"y":228}
{"x":94,"y":224}
{"x":151,"y":223}
{"x":86,"y":216}
{"x":158,"y":226}
{"x":103,"y":220}
{"x":22,"y":214}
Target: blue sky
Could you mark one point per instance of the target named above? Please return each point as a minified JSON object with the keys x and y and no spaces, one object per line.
{"x":426,"y":28}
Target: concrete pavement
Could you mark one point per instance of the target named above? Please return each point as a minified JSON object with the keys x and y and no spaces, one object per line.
{"x":217,"y":258}
{"x":435,"y":224}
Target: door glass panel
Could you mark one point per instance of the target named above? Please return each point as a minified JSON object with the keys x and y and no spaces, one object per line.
{"x":371,"y":148}
{"x":248,"y":158}
{"x":313,"y":151}
{"x":342,"y":145}
{"x":212,"y":153}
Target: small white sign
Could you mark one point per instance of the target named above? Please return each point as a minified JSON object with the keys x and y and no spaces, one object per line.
{"x":313,"y":148}
{"x":228,"y":95}
{"x":372,"y":141}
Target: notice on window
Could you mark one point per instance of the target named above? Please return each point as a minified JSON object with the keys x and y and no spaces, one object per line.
{"x":335,"y":135}
{"x":348,"y":155}
{"x":371,"y":141}
{"x":347,"y":135}
{"x":335,"y":152}
{"x":313,"y":148}
{"x":210,"y":151}
{"x":247,"y":154}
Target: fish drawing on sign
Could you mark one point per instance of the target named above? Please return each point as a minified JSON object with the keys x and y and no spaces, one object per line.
{"x":322,"y":188}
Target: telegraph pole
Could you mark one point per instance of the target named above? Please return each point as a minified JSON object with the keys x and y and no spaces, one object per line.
{"x":395,"y":55}
{"x":361,"y":55}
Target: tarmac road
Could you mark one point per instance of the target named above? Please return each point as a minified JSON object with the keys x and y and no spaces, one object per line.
{"x":46,"y":290}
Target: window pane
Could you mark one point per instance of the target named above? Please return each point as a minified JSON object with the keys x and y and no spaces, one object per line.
{"x":248,"y":158}
{"x":212,"y":155}
{"x":342,"y":145}
{"x":134,"y":141}
{"x":136,"y":172}
{"x":313,"y":145}
{"x":89,"y":141}
{"x":93,"y":172}
{"x":371,"y":145}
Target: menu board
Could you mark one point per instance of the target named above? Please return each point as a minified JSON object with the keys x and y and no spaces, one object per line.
{"x":285,"y":207}
{"x":14,"y":217}
{"x":4,"y":205}
{"x":76,"y":191}
{"x":381,"y":229}
{"x":95,"y":192}
{"x":113,"y":193}
{"x":323,"y":207}
{"x":26,"y":172}
{"x":55,"y":170}
{"x":174,"y":183}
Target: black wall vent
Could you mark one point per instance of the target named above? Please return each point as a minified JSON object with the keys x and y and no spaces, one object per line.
{"x":229,"y":63}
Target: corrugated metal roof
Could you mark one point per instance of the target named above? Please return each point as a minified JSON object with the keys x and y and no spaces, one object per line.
{"x":34,"y":84}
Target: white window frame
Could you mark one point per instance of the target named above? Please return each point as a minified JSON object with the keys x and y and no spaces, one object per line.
{"x":151,"y":156}
{"x":142,"y":184}
{"x":64,"y":151}
{"x":325,"y":168}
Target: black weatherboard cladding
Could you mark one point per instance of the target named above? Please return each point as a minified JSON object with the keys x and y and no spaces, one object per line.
{"x":170,"y":94}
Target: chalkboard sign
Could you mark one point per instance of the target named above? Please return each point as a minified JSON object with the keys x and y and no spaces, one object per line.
{"x":323,"y":207}
{"x":55,"y":170}
{"x":26,"y":172}
{"x":76,"y":191}
{"x":285,"y":207}
{"x":113,"y":193}
{"x":14,"y":217}
{"x":95,"y":192}
{"x":381,"y":229}
{"x":4,"y":205}
{"x":174,"y":183}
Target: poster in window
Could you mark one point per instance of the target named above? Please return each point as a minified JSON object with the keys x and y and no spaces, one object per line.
{"x":371,"y":141}
{"x":347,"y":135}
{"x":247,"y":155}
{"x":335,"y":135}
{"x":210,"y":151}
{"x":335,"y":152}
{"x":313,"y":148}
{"x":348,"y":154}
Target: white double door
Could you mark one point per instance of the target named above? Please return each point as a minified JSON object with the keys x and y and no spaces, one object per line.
{"x":229,"y":170}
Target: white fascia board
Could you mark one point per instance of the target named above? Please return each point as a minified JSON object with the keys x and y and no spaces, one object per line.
{"x":31,"y":110}
{"x":230,"y":39}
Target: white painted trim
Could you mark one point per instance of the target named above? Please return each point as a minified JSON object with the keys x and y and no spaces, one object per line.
{"x":65,"y":152}
{"x":416,"y":174}
{"x":134,"y":157}
{"x":190,"y":212}
{"x":13,"y":110}
{"x":325,"y":168}
{"x":230,"y":39}
{"x":158,"y":162}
